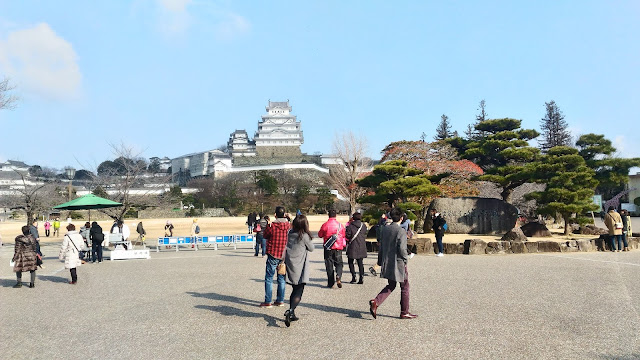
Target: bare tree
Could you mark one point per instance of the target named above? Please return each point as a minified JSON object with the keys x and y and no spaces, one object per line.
{"x":7,"y":101}
{"x":126,"y":180}
{"x":351,"y":150}
{"x":34,"y":196}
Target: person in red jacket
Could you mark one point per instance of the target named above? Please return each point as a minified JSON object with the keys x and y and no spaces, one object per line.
{"x":333,"y":257}
{"x":277,"y":235}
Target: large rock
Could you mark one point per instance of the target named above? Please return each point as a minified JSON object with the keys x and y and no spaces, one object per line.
{"x":569,"y":246}
{"x":451,"y":248}
{"x":498,"y":247}
{"x":474,"y":247}
{"x":591,"y":230}
{"x":470,"y":215}
{"x":519,"y":247}
{"x":514,"y":234}
{"x":532,"y":246}
{"x":421,"y":245}
{"x":584,"y":245}
{"x":548,"y":246}
{"x":535,"y":229}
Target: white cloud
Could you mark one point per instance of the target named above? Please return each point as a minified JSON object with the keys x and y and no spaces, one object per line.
{"x":177,"y":17}
{"x":40,"y":61}
{"x":232,"y":25}
{"x":174,"y":17}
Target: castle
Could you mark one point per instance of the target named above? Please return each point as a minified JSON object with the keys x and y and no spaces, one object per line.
{"x":275,"y":146}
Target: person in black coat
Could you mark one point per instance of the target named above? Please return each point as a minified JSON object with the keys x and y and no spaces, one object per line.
{"x":438,"y":229}
{"x":356,"y":233}
{"x":97,"y":237}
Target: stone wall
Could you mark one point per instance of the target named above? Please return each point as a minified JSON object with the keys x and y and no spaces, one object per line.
{"x":472,"y":215}
{"x":271,"y":155}
{"x":427,"y":245}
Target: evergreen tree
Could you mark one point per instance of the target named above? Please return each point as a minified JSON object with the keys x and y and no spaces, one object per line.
{"x":612,"y":173}
{"x":472,"y":133}
{"x":554,"y":128}
{"x":443,"y":131}
{"x":569,"y":185}
{"x":504,"y":153}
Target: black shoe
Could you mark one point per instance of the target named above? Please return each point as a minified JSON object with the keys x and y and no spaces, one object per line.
{"x":287,"y":318}
{"x":353,"y":280}
{"x":18,"y":285}
{"x":294,"y":317}
{"x":32,"y":285}
{"x":361,"y":281}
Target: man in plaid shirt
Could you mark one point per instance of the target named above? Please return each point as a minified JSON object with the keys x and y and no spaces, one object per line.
{"x":277,"y":235}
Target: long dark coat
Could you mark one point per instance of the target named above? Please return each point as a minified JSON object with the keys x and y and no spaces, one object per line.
{"x":25,"y":254}
{"x":392,"y":254}
{"x":356,"y":247}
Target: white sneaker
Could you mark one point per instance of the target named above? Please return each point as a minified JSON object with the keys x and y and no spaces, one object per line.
{"x":440,"y":254}
{"x":411,"y":255}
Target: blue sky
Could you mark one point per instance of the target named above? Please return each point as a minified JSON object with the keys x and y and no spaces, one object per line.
{"x":171,"y":77}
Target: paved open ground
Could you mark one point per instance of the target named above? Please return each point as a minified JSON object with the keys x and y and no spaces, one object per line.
{"x":205,"y":305}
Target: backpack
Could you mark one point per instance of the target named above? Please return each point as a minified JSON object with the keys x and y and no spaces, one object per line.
{"x":197,"y":229}
{"x":257,"y":228}
{"x":445,"y":227}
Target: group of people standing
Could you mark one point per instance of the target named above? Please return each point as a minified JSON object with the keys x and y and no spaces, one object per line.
{"x":288,"y":242}
{"x":619,"y":227}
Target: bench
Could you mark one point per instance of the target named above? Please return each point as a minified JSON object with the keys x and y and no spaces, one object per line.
{"x":120,"y":253}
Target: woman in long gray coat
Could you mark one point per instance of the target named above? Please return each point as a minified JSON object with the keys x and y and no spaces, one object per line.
{"x":24,"y":257}
{"x":297,"y":262}
{"x":356,"y":233}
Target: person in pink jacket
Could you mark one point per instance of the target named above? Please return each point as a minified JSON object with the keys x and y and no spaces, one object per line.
{"x":333,"y":257}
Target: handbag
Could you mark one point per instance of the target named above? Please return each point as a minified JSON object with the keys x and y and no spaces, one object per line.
{"x":281,"y":269}
{"x":332,"y":239}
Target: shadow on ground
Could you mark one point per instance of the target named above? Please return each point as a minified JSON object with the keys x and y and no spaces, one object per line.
{"x":57,"y":279}
{"x":231,"y":311}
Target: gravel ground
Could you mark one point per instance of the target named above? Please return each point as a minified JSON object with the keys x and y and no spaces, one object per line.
{"x":204,"y":304}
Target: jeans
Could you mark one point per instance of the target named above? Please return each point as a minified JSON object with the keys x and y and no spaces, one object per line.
{"x":333,"y":258}
{"x":624,"y":239}
{"x":268,"y":281}
{"x":260,"y":241}
{"x":74,"y":274}
{"x":439,"y":242}
{"x":619,"y":240}
{"x":404,"y":292}
{"x":97,"y":251}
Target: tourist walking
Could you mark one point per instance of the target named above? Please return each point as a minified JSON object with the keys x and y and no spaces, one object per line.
{"x":392,"y":256}
{"x":439,"y":227}
{"x":56,"y":227}
{"x":277,"y":237}
{"x":261,"y":241}
{"x":70,"y":252}
{"x":251,"y":219}
{"x":141,"y":233}
{"x":33,"y":230}
{"x":97,"y":238}
{"x":195,"y":230}
{"x":85,"y":233}
{"x":168,"y":229}
{"x":299,"y":243}
{"x":333,"y":256}
{"x":626,"y":228}
{"x":47,"y":228}
{"x":613,"y":222}
{"x":24,"y":257}
{"x":356,"y":234}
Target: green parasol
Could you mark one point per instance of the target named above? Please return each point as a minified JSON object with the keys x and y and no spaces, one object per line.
{"x":88,"y":202}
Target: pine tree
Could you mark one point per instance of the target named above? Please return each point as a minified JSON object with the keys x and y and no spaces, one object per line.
{"x":443,"y":131}
{"x":554,"y":128}
{"x":569,"y":184}
{"x":472,"y":133}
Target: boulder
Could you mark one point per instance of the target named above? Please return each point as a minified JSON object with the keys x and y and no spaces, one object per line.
{"x":514,"y":234}
{"x":584,"y":245}
{"x":450,"y":248}
{"x":471,"y":215}
{"x":532,"y":246}
{"x":421,"y":245}
{"x":548,"y":246}
{"x":498,"y":247}
{"x":591,"y":230}
{"x":569,"y":246}
{"x":474,"y":247}
{"x":519,"y":247}
{"x":634,"y":242}
{"x":535,"y":229}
